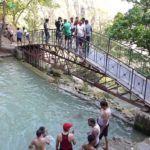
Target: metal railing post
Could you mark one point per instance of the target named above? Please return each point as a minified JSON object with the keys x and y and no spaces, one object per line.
{"x":108,"y":48}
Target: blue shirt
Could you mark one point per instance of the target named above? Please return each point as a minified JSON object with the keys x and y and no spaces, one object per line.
{"x":88,"y":30}
{"x":19,"y":34}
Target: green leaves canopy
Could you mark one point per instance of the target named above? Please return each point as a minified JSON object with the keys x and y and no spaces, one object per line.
{"x":16,"y":9}
{"x":133,"y":26}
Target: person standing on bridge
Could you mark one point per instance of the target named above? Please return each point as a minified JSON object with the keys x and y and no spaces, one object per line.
{"x":47,"y":36}
{"x":80,"y":32}
{"x":59,"y":27}
{"x":19,"y":35}
{"x":67,"y":32}
{"x":88,"y":32}
{"x":103,"y":121}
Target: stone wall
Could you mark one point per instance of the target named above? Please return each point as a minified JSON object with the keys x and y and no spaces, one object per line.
{"x":142,"y":122}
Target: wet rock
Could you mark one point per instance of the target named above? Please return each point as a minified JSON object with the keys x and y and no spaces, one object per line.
{"x":142,"y":122}
{"x":117,"y":144}
{"x":145,"y":145}
{"x":54,"y":72}
{"x":1,"y":59}
{"x":77,"y":80}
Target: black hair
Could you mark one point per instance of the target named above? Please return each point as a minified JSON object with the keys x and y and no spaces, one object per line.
{"x":104,"y":103}
{"x":92,"y":120}
{"x":38,"y":133}
{"x":24,"y":28}
{"x":83,"y":19}
{"x":86,"y":21}
{"x":91,"y":138}
{"x":18,"y":28}
{"x":46,"y":20}
{"x":65,"y":20}
{"x":59,"y":18}
{"x":42,"y":129}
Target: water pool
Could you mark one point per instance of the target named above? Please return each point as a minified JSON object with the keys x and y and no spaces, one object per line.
{"x":28,"y":101}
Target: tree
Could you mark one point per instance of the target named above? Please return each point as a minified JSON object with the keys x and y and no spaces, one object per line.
{"x":17,"y":8}
{"x":133,"y":26}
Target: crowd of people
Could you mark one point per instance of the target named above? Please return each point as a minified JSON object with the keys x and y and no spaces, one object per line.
{"x":21,"y":35}
{"x":66,"y":139}
{"x":78,"y":29}
{"x":81,"y":30}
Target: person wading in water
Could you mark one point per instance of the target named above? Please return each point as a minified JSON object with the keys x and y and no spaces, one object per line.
{"x":90,"y":145}
{"x":103,"y":121}
{"x":39,"y":142}
{"x":65,"y":140}
{"x":94,"y":131}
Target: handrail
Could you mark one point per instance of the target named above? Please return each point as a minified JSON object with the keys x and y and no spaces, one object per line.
{"x":118,"y":50}
{"x":98,"y":34}
{"x":103,"y":60}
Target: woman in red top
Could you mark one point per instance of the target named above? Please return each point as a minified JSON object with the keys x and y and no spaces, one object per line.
{"x":65,"y":140}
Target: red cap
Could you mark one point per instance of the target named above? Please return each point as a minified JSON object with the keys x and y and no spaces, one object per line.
{"x":67,"y":126}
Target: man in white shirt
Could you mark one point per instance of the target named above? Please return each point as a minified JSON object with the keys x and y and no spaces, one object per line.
{"x":80,"y":33}
{"x":95,"y":130}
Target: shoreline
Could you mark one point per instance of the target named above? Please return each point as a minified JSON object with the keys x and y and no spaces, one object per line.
{"x":72,"y":91}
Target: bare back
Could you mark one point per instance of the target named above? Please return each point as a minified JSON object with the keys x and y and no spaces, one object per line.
{"x":40,"y":143}
{"x":88,"y":147}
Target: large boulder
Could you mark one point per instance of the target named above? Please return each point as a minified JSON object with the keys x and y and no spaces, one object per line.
{"x":142,"y":122}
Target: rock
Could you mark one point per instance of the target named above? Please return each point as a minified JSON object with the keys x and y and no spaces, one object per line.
{"x":118,"y":144}
{"x":1,"y":59}
{"x":77,"y":80}
{"x":142,"y":146}
{"x":145,"y":145}
{"x":142,"y":122}
{"x":54,"y":72}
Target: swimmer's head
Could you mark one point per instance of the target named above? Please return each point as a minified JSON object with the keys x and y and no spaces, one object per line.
{"x":38,"y":133}
{"x":91,"y":139}
{"x":43,"y":130}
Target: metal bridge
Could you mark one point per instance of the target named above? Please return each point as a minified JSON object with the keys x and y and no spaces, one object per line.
{"x":104,"y":63}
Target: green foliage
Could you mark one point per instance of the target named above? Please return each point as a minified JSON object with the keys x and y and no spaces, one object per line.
{"x":133,"y":26}
{"x":29,"y":8}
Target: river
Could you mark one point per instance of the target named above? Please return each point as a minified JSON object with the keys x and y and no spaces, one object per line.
{"x":28,"y":102}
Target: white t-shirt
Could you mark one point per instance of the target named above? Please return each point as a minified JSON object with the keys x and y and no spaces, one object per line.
{"x":96,"y":127}
{"x":80,"y":30}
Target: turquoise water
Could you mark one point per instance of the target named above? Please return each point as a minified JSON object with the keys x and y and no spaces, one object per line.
{"x":28,"y":101}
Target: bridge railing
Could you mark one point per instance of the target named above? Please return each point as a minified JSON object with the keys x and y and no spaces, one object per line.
{"x":117,"y":66}
{"x":137,"y":59}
